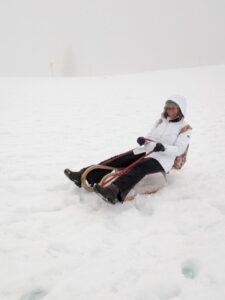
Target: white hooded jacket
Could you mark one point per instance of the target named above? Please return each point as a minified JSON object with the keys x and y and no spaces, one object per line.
{"x":168,"y":133}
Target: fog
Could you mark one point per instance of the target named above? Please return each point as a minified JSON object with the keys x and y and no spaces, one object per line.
{"x":81,"y":37}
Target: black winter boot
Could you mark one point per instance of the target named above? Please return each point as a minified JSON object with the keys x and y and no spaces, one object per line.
{"x":108,"y":193}
{"x":74,"y":176}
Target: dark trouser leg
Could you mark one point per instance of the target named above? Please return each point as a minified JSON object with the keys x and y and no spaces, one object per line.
{"x":121,"y":162}
{"x":128,"y":180}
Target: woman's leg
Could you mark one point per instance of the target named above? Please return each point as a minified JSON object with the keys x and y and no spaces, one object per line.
{"x":129,"y":179}
{"x":95,"y":176}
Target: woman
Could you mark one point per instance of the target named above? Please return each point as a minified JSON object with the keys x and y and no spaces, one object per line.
{"x":171,"y":141}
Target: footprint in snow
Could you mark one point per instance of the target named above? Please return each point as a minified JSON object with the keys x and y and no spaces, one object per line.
{"x":37,"y":294}
{"x":190,"y":268}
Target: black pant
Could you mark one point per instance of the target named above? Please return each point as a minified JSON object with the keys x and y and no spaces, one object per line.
{"x":129,"y":179}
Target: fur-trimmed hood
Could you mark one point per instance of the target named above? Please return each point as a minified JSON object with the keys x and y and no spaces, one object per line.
{"x":181,"y":102}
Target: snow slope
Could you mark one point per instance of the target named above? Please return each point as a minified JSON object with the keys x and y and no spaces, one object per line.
{"x":59,"y":242}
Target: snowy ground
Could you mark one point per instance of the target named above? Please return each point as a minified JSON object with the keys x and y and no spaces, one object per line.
{"x":61,"y":243}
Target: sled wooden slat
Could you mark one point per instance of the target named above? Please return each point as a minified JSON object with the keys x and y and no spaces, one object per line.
{"x":130,"y":197}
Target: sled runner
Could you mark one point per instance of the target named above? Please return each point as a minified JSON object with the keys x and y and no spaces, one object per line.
{"x":116,"y":172}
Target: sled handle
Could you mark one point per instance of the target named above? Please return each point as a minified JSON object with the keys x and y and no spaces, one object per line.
{"x":124,"y":170}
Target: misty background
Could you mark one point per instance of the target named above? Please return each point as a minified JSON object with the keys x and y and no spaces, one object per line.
{"x":84,"y":37}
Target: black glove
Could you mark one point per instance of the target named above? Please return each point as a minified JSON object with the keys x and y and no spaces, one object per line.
{"x":159,"y":147}
{"x":141,"y":140}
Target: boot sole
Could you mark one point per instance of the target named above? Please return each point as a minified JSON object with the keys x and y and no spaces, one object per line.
{"x":95,"y":189}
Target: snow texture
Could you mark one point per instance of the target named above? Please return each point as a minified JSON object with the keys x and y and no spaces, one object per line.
{"x":60,"y":242}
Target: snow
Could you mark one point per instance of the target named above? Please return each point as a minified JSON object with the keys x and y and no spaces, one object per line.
{"x":61,"y":242}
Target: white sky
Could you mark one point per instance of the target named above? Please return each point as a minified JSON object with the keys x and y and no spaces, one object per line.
{"x":95,"y":37}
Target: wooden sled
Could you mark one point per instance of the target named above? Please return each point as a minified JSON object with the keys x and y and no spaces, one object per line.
{"x":139,"y":188}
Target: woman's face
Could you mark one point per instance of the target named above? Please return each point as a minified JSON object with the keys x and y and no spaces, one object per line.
{"x":172,"y":111}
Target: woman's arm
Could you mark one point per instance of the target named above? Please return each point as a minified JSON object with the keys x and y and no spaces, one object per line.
{"x":181,"y":144}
